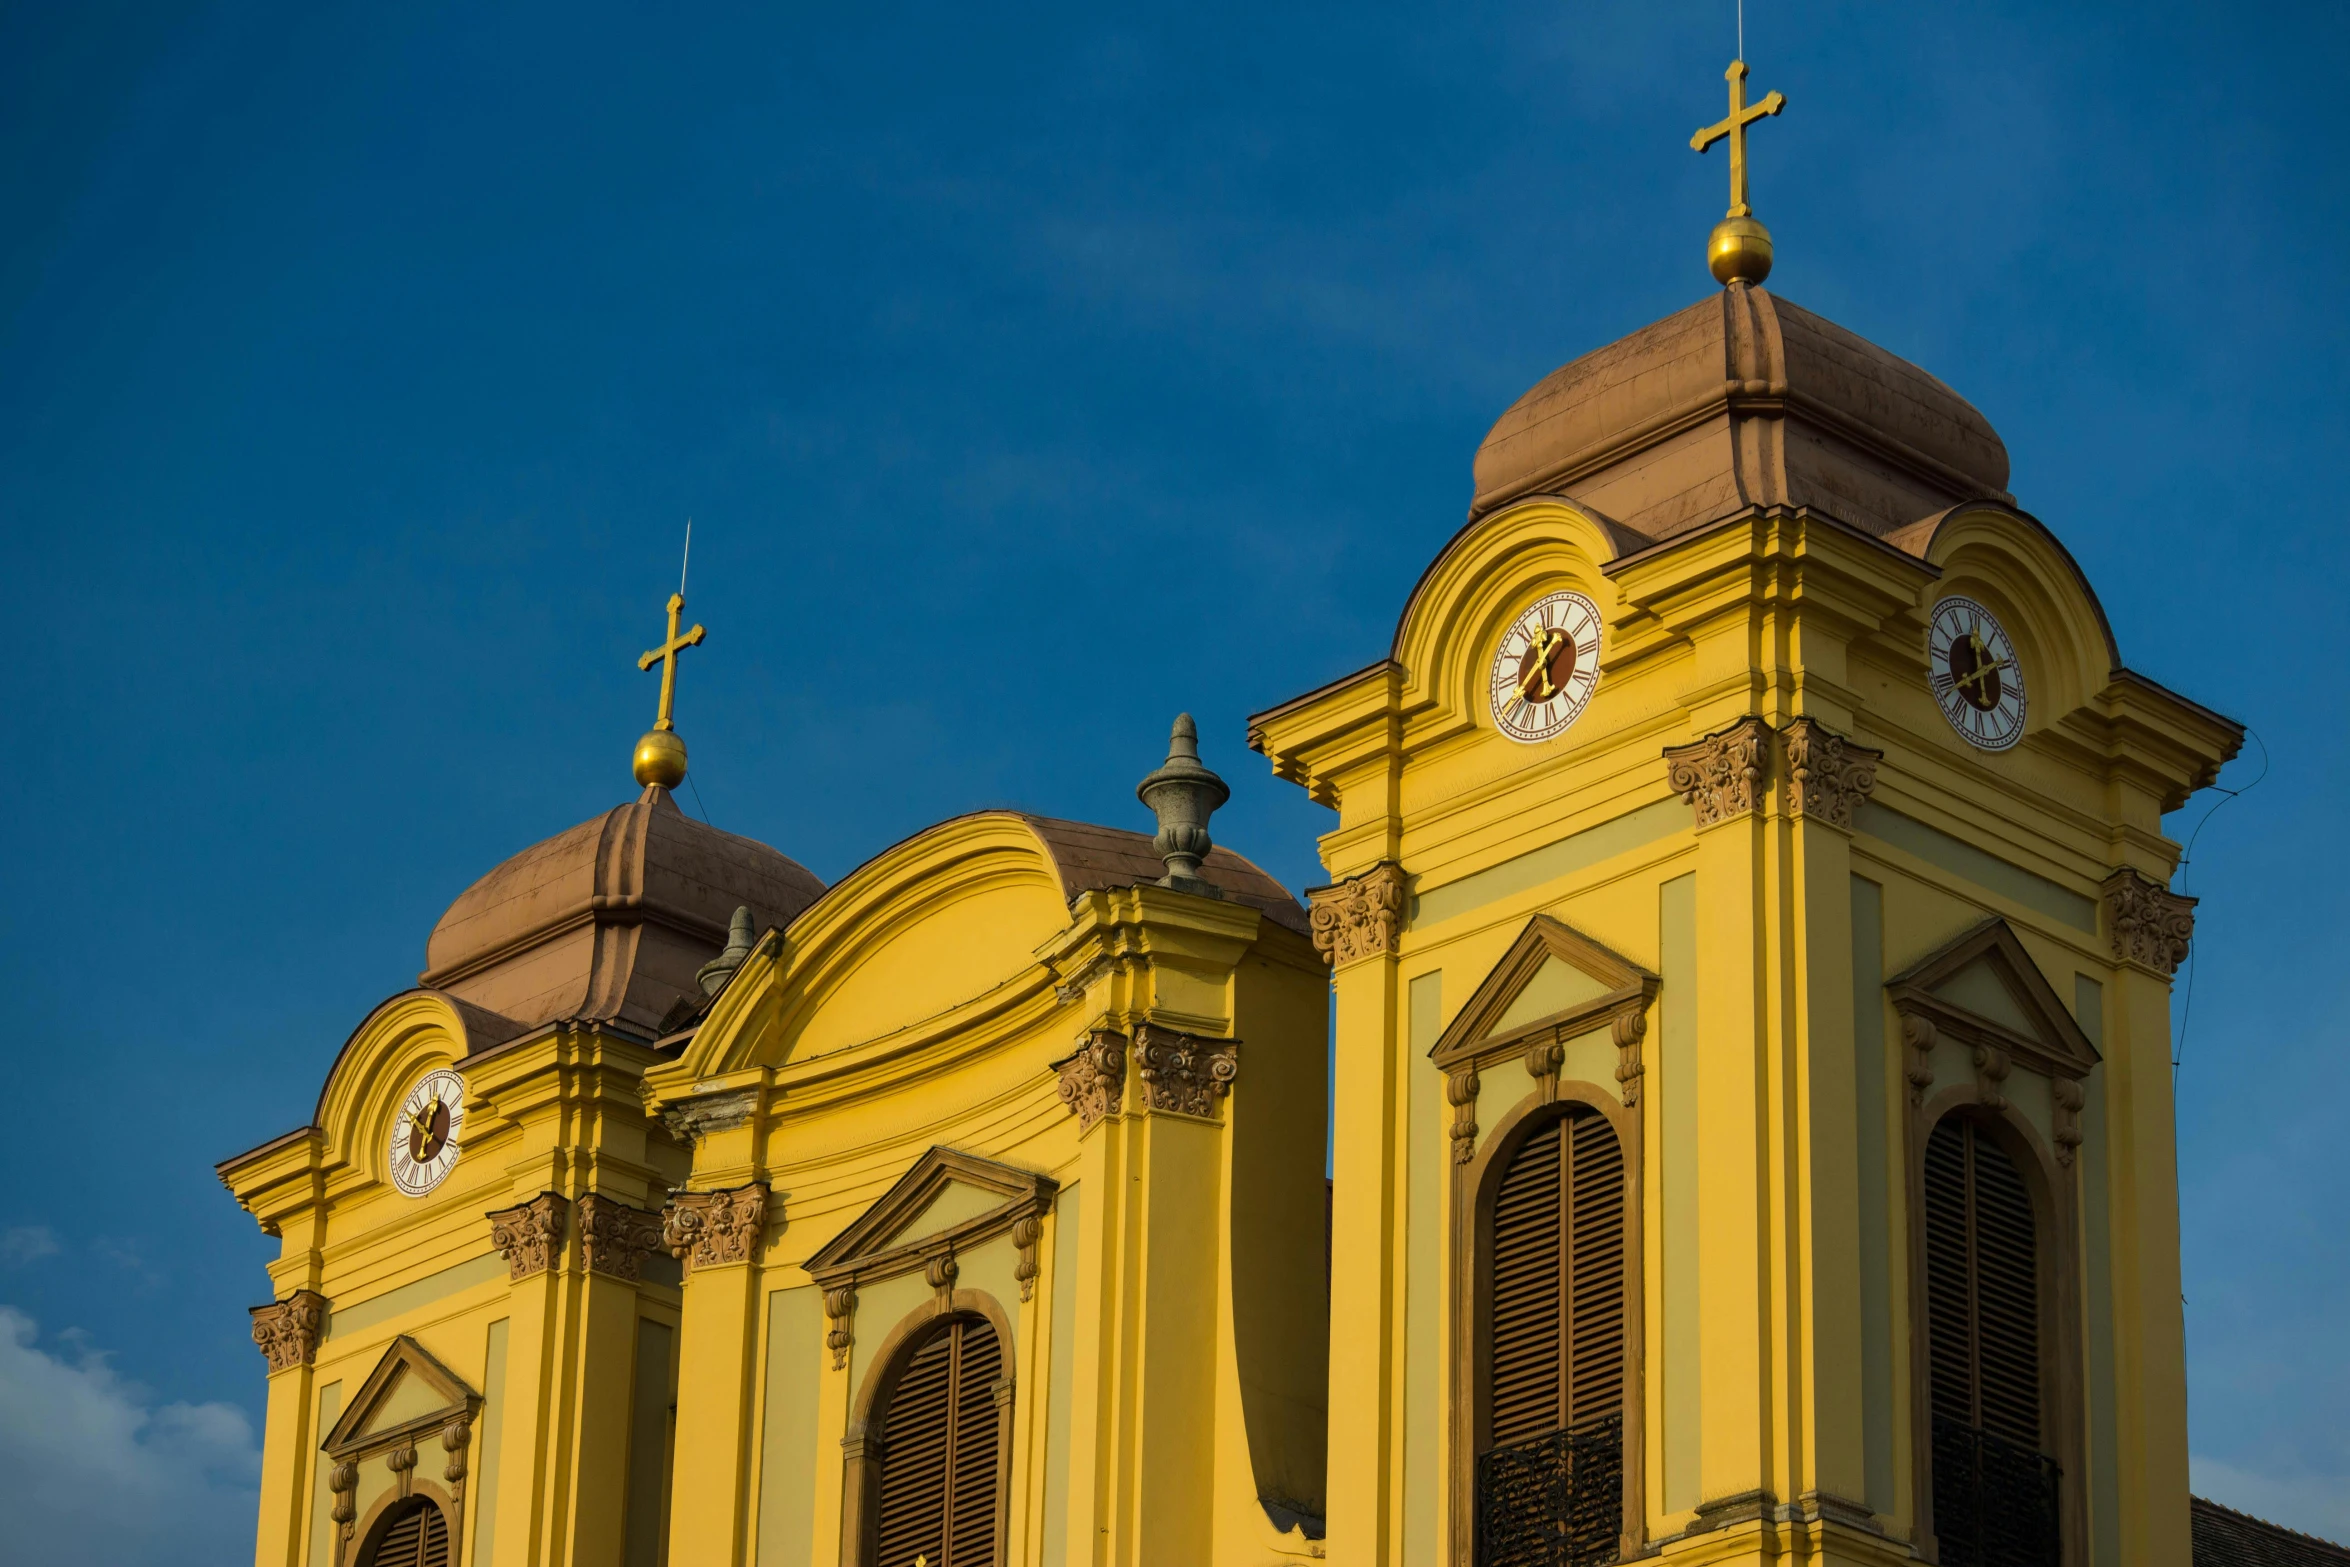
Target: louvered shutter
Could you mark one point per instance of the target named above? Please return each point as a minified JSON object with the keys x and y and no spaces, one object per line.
{"x":417,"y":1537}
{"x":940,"y":1468}
{"x":1556,"y":1307}
{"x":1982,"y":1286}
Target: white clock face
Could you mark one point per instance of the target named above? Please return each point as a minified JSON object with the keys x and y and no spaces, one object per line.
{"x":425,"y":1132}
{"x":1546,"y":668}
{"x":1977,"y":681}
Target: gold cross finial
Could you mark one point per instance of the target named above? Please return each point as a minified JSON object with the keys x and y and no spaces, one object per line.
{"x":660,"y":755}
{"x":1740,"y":251}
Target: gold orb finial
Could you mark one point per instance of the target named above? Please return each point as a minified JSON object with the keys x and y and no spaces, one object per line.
{"x":660,"y":758}
{"x":1739,"y":251}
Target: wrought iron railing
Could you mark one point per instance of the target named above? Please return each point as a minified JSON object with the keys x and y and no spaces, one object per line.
{"x":1994,"y":1500}
{"x":1557,"y":1501}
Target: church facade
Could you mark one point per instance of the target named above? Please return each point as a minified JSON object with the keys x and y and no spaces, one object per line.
{"x":1719,"y":1108}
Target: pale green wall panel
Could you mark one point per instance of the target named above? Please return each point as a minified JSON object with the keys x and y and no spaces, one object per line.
{"x":2105,"y":1500}
{"x":1872,"y":1087}
{"x":322,"y":1501}
{"x":1068,"y":1212}
{"x":1424,"y":1197}
{"x":1677,"y":1002}
{"x":787,"y":1432}
{"x":481,"y":1501}
{"x":649,"y":1415}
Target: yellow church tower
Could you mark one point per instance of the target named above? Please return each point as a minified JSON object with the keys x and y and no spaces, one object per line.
{"x":1743,"y":984}
{"x":1753,"y":953}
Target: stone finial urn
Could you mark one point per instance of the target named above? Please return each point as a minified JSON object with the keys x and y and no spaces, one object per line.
{"x":1183,"y":794}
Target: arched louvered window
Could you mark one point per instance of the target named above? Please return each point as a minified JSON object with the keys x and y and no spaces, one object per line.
{"x":1550,"y":1476}
{"x":942,"y":1451}
{"x":414,"y":1534}
{"x":1995,"y":1499}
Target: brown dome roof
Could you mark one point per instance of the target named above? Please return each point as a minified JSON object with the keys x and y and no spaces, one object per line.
{"x":1741,"y":400}
{"x":609,"y":921}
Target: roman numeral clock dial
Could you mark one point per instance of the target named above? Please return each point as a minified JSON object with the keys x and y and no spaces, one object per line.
{"x":1546,"y":668}
{"x":1976,"y":680}
{"x":424,"y":1132}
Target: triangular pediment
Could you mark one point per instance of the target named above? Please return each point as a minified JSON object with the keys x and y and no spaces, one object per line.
{"x":407,"y":1392}
{"x":948,"y":1200}
{"x":1553,"y":979}
{"x":1986,"y":986}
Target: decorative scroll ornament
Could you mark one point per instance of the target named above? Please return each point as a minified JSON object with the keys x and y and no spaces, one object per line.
{"x":1025,"y":1235}
{"x":711,"y":1229}
{"x":1460,"y":1091}
{"x":344,"y":1482}
{"x":454,"y":1437}
{"x":1631,"y":1027}
{"x":2069,"y":1100}
{"x":2152,"y":925}
{"x":941,"y":1274}
{"x":1918,"y":1034}
{"x":1722,"y":776}
{"x":1992,"y":1064}
{"x":840,"y":1308}
{"x":1827,"y":775}
{"x":1360,"y":917}
{"x":288,"y":1330}
{"x":1182,"y":1072}
{"x":531,"y":1235}
{"x":614,"y":1238}
{"x":1094,"y":1079}
{"x":401,"y":1461}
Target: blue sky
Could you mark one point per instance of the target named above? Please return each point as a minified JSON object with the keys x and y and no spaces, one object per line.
{"x":1030,"y":373}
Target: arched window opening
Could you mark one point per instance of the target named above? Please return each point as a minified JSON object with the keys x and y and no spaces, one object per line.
{"x":942,"y":1452}
{"x":414,"y":1534}
{"x":1550,"y":1473}
{"x":1995,"y":1487}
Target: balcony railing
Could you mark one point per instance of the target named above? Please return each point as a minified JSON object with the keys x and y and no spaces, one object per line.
{"x":1994,"y":1500}
{"x":1557,"y":1501}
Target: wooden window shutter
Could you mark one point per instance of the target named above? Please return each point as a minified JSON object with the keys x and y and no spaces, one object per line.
{"x":941,"y":1439}
{"x":1982,"y":1286}
{"x":416,"y":1537}
{"x":1556,"y":1310}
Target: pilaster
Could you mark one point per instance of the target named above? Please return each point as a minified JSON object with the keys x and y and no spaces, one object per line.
{"x":719,"y":1236}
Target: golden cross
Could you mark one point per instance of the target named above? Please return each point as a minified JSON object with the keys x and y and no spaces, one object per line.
{"x":1741,"y":116}
{"x":666,"y":656}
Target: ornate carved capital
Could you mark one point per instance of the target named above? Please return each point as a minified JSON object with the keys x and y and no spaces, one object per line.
{"x":1918,"y":1034}
{"x":288,"y":1330}
{"x":530,"y":1235}
{"x":1182,"y":1072}
{"x":2069,"y":1100}
{"x":614,"y":1238}
{"x":1827,"y":775}
{"x":840,"y":1307}
{"x":1093,"y":1081}
{"x":1722,"y":776}
{"x":2151,"y":924}
{"x":1460,"y":1091}
{"x":1360,"y":917}
{"x":711,"y":1229}
{"x":1025,"y":1234}
{"x":1631,"y":1027}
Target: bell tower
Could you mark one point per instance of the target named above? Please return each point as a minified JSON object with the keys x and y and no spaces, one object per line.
{"x":1751,"y":949}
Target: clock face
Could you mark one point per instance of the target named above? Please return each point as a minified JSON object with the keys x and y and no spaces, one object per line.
{"x":1976,"y":678}
{"x":424,"y":1133}
{"x":1546,"y":668}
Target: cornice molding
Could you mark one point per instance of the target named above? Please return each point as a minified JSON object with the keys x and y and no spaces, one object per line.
{"x":530,"y":1234}
{"x":1723,"y":776}
{"x":715,"y":1229}
{"x":1360,"y":917}
{"x":2152,"y":926}
{"x":287,"y":1331}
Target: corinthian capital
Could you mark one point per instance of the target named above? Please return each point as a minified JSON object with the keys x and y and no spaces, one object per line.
{"x":2151,"y":924}
{"x":709,"y":1229}
{"x":1827,"y":775}
{"x":530,"y":1235}
{"x":1182,"y":1072}
{"x":1722,"y":776}
{"x":614,"y":1238}
{"x":288,"y":1330}
{"x":1093,"y":1079}
{"x":1360,"y":917}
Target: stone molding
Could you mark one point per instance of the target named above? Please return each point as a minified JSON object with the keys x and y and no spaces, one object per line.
{"x":715,"y":1229}
{"x":530,"y":1234}
{"x":1093,"y":1080}
{"x":1025,"y":1235}
{"x":2152,"y":926}
{"x":615,"y":1238}
{"x":1723,"y":775}
{"x":840,"y":1308}
{"x":690,"y":1120}
{"x":1360,"y":917}
{"x":1827,"y":775}
{"x":1461,"y":1087}
{"x":1183,"y":1072}
{"x":287,"y":1331}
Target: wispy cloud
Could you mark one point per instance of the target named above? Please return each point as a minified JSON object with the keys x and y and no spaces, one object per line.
{"x":27,"y":1243}
{"x":2316,"y":1504}
{"x":97,"y":1470}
